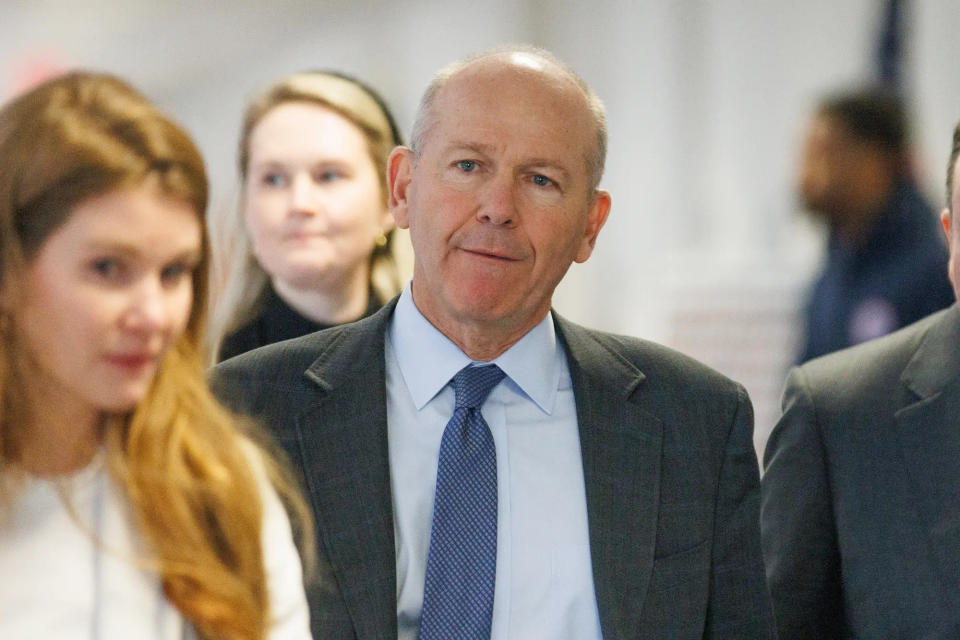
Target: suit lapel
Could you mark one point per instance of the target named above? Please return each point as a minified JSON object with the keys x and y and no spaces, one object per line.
{"x":929,"y":434}
{"x":621,"y":448}
{"x":345,"y":456}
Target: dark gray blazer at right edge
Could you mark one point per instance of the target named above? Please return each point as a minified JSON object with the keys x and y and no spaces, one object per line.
{"x":671,"y":478}
{"x":861,"y":495}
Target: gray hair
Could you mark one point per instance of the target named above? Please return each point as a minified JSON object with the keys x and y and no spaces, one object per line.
{"x":425,"y":118}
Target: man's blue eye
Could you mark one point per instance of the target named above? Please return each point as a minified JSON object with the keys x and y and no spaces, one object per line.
{"x":467,"y":165}
{"x":329,"y":176}
{"x":542,"y":181}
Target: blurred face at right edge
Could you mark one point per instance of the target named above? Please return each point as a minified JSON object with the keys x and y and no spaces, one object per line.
{"x":947,"y":220}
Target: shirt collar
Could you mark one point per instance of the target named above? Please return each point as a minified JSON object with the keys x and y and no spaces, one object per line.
{"x":428,"y":359}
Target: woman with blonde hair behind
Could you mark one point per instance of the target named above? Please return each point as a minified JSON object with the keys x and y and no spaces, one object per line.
{"x":313,"y":245}
{"x":130,"y":505}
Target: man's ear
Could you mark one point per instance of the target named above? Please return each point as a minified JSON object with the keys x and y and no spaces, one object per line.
{"x":596,"y":218}
{"x":945,"y":223}
{"x":399,"y":174}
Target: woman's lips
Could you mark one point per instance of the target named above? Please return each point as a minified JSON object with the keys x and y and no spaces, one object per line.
{"x":132,"y":361}
{"x":300,"y":237}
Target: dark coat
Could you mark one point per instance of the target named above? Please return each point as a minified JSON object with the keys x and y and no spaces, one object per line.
{"x":861,"y":495}
{"x":669,"y":467}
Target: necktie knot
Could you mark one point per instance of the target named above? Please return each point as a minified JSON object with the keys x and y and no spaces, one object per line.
{"x":473,"y":384}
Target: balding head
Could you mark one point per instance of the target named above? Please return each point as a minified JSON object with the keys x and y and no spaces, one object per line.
{"x":520,"y":59}
{"x":499,"y":194}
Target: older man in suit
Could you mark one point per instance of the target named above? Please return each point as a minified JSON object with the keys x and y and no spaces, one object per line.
{"x":606,"y":486}
{"x":861,"y":496}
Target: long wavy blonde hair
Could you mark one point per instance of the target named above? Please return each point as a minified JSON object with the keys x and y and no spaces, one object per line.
{"x":241,"y":281}
{"x":178,"y":457}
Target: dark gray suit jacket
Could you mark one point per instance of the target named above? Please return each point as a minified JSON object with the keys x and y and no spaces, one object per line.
{"x":669,"y":466}
{"x":861,"y":495}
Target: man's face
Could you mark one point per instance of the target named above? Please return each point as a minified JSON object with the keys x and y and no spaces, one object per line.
{"x":828,"y":162}
{"x":953,"y":233}
{"x":499,"y":203}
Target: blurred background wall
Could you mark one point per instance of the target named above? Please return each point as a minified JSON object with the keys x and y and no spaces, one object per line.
{"x":705,"y":249}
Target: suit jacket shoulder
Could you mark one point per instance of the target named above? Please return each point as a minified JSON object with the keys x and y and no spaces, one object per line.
{"x":696,"y":405}
{"x":294,"y":366}
{"x":860,"y":490}
{"x":871,"y":380}
{"x":659,"y":365}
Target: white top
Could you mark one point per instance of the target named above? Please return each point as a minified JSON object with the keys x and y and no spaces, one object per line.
{"x":544,"y":580}
{"x":56,"y":582}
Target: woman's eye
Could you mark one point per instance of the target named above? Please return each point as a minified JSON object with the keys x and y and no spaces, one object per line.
{"x":467,"y":165}
{"x":108,"y":268}
{"x":274,"y":180}
{"x":175,"y":272}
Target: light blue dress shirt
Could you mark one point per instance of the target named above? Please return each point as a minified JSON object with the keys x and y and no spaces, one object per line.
{"x":544,"y":583}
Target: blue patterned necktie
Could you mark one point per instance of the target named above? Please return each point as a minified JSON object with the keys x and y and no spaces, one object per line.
{"x":462,"y":561}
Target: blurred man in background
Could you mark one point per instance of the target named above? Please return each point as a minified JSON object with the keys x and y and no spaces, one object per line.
{"x":885,"y":257}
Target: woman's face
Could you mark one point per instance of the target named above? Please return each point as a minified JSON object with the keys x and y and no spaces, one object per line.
{"x":314,"y":199}
{"x":105,"y":297}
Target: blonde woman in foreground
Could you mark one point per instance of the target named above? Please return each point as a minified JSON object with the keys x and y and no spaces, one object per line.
{"x":130,"y":506}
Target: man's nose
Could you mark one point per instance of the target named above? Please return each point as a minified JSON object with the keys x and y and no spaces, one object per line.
{"x":499,"y":202}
